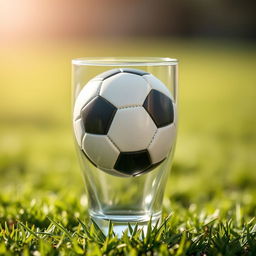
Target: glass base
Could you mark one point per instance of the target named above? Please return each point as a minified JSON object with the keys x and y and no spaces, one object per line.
{"x":120,"y":221}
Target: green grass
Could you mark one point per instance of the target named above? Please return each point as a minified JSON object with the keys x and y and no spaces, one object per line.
{"x":211,"y":191}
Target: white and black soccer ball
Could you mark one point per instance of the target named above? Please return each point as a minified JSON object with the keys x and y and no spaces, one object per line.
{"x":124,"y":121}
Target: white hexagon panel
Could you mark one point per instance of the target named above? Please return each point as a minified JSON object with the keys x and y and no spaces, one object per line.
{"x":162,"y":143}
{"x":99,"y":149}
{"x":125,"y":89}
{"x":79,"y":131}
{"x":128,"y":131}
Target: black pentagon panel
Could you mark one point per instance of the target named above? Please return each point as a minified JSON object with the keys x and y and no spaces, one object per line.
{"x":134,"y":71}
{"x":160,"y":108}
{"x":108,"y":73}
{"x":133,"y":162}
{"x":97,"y":116}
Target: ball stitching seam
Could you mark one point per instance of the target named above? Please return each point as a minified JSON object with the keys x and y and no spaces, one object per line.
{"x":114,"y":144}
{"x":152,"y":138}
{"x":130,"y":106}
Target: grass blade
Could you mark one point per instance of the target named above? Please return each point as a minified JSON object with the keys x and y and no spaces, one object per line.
{"x":65,"y":231}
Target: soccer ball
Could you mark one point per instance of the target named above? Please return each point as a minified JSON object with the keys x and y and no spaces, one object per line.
{"x":124,"y":121}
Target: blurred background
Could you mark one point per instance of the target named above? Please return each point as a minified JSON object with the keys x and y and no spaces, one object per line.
{"x":215,"y":43}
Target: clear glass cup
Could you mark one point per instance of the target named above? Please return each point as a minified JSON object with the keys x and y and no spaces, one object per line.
{"x":132,"y":199}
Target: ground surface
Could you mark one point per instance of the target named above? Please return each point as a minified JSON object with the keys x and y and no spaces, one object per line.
{"x":211,"y":191}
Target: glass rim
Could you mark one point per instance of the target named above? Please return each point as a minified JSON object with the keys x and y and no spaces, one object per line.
{"x":125,"y":61}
